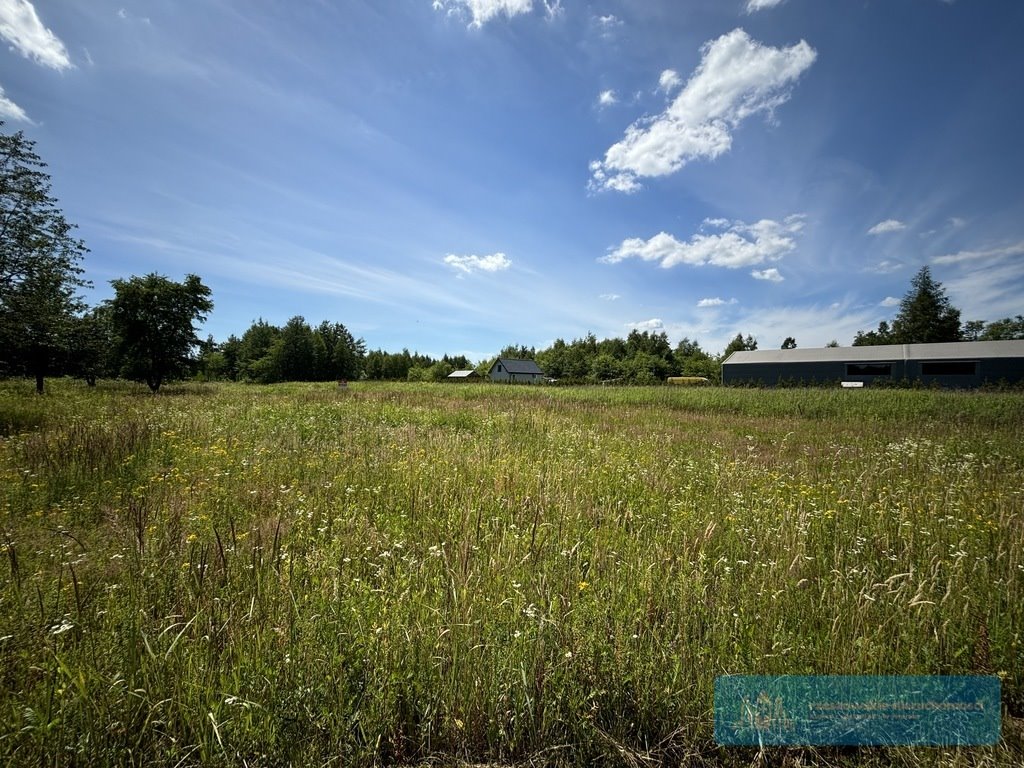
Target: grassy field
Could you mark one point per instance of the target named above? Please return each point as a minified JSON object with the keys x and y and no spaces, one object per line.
{"x":399,"y":574}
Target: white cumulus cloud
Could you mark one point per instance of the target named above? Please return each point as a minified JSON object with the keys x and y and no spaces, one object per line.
{"x":715,"y":302}
{"x":1017,"y":249}
{"x":467,"y":265}
{"x":760,"y":5}
{"x":607,"y":98}
{"x":669,"y":80}
{"x":21,"y":27}
{"x":654,"y":324}
{"x":11,"y":111}
{"x":739,"y":245}
{"x":737,"y":77}
{"x":482,"y":11}
{"x":610,"y":296}
{"x":771,"y":275}
{"x":884,"y":227}
{"x":890,"y":301}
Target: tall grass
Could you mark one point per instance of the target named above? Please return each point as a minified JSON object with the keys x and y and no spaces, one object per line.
{"x":402,"y":573}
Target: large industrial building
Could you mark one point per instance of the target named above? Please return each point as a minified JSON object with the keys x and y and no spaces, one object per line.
{"x":957,"y":364}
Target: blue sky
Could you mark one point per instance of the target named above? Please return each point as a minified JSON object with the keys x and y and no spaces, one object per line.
{"x":457,"y":175}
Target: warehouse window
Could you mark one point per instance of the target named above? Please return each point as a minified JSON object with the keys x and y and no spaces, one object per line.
{"x":869,"y":369}
{"x":950,"y":368}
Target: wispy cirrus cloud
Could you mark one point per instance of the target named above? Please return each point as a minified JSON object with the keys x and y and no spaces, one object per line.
{"x":610,"y":296}
{"x":11,"y":111}
{"x":760,"y":5}
{"x":714,"y":302}
{"x":740,"y":245}
{"x":772,"y":275}
{"x":887,"y":226}
{"x":737,"y":77}
{"x":886,"y":267}
{"x":467,"y":265}
{"x":607,"y":24}
{"x":21,"y":27}
{"x":890,"y":301}
{"x":1016,"y":249}
{"x":607,"y":98}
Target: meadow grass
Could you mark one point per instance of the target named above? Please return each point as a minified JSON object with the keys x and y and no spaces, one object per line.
{"x":398,"y":574}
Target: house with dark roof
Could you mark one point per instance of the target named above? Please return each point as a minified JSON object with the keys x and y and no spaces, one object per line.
{"x":959,"y":364}
{"x":514,"y":371}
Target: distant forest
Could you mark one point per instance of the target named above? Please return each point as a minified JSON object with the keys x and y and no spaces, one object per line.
{"x":300,"y":352}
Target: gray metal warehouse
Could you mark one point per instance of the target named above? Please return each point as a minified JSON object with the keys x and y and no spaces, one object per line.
{"x":956,"y":364}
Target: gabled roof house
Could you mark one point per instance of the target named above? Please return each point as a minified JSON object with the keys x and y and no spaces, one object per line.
{"x":513,"y":370}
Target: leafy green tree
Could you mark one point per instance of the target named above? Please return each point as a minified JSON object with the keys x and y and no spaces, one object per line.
{"x":615,"y":347}
{"x":646,"y":368}
{"x":232,"y":349}
{"x":650,"y":343}
{"x":691,"y":360}
{"x":40,"y":276}
{"x":90,"y":345}
{"x":926,"y":316}
{"x":347,"y":354}
{"x":292,"y":355}
{"x":518,"y":352}
{"x":322,"y":365}
{"x":789,"y":343}
{"x":833,"y":344}
{"x":1007,"y":329}
{"x":874,"y":338}
{"x":253,"y":348}
{"x":740,"y":344}
{"x":218,"y":362}
{"x":439,"y":371}
{"x":604,"y":367}
{"x":972,"y":330}
{"x":212,"y":365}
{"x":152,"y":319}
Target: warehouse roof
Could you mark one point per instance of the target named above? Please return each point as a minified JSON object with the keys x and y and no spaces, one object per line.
{"x":957,"y":350}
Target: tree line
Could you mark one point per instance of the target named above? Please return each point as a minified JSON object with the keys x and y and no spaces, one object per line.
{"x":148,"y":331}
{"x":927,"y":316}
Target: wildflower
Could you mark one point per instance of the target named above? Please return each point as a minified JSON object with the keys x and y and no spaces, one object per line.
{"x":60,"y":629}
{"x":583,"y":585}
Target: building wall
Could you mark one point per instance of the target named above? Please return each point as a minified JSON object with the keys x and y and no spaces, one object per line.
{"x":990,"y":370}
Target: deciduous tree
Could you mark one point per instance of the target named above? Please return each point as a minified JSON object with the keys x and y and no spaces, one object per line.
{"x":740,"y":344}
{"x":153,"y":318}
